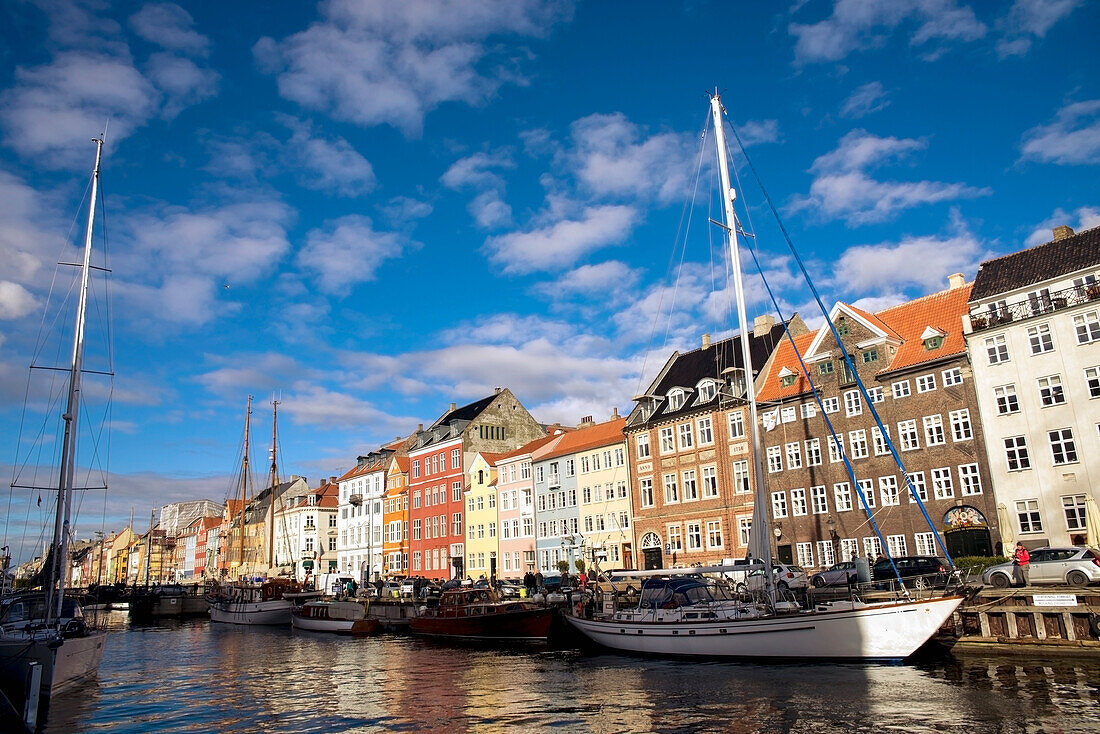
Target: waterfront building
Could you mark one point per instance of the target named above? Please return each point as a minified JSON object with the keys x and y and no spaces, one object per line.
{"x":912,"y":360}
{"x":603,"y":479}
{"x":306,"y":531}
{"x":516,"y":505}
{"x":190,"y":551}
{"x":176,"y":516}
{"x":395,"y":518}
{"x":438,"y":456}
{"x":1034,"y":340}
{"x":255,"y":554}
{"x":691,"y":471}
{"x":359,"y":549}
{"x":481,"y":519}
{"x":557,"y":510}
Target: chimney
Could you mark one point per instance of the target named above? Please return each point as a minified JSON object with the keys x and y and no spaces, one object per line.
{"x":706,"y":341}
{"x":614,"y":413}
{"x":452,"y":408}
{"x":1062,"y":231}
{"x":955,"y":280}
{"x":496,"y":390}
{"x":587,"y":420}
{"x":332,"y":480}
{"x":419,"y":427}
{"x":762,"y":324}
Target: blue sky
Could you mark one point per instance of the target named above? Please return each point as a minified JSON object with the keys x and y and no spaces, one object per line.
{"x":374,"y":209}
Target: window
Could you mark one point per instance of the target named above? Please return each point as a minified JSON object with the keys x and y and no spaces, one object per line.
{"x":1027,"y":513}
{"x":1016,"y":453}
{"x":926,"y":543}
{"x":878,"y":440}
{"x":875,"y":394}
{"x":842,"y":495}
{"x":570,"y":468}
{"x":836,"y":448}
{"x":867,"y":489}
{"x":1007,"y":402}
{"x":779,"y":504}
{"x":933,"y":342}
{"x":798,"y":502}
{"x":942,"y":486}
{"x":849,"y":549}
{"x":456,"y":458}
{"x":775,"y":459}
{"x":813,"y":452}
{"x":675,"y":400}
{"x":1092,"y":379}
{"x":694,"y":536}
{"x":1040,"y":339}
{"x":825,"y":552}
{"x":1050,"y":391}
{"x":1074,"y":508}
{"x":805,"y":551}
{"x":706,"y":432}
{"x":918,"y":487}
{"x":808,"y":410}
{"x":952,"y":377}
{"x":933,"y":430}
{"x":540,"y":475}
{"x":872,"y":547}
{"x":870,"y":355}
{"x":1062,"y":447}
{"x":819,"y":499}
{"x":961,"y":429}
{"x":888,"y":490}
{"x":896,"y":545}
{"x":908,"y":436}
{"x":926,"y":383}
{"x":788,"y":414}
{"x":1039,"y":301}
{"x":825,"y":368}
{"x":741,"y":476}
{"x":687,"y":436}
{"x":714,"y":533}
{"x":674,"y":542}
{"x":1087,"y":326}
{"x":857,"y":443}
{"x":667,"y":444}
{"x":901,"y":389}
{"x":645,"y":492}
{"x":970,"y":479}
{"x":737,"y":424}
{"x":691,"y":490}
{"x":706,"y":391}
{"x":852,"y":403}
{"x":794,"y":455}
{"x":672,"y":492}
{"x":416,"y":468}
{"x":996,"y":349}
{"x":830,"y":405}
{"x":787,"y":380}
{"x":710,"y":482}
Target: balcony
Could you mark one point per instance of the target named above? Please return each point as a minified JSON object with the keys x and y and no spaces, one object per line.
{"x":355,"y":499}
{"x":996,"y":314}
{"x":553,"y":480}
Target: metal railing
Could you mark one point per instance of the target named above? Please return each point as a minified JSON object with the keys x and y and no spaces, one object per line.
{"x":995,"y":314}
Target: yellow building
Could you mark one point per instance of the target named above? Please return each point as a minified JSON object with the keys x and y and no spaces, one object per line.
{"x":482,"y":521}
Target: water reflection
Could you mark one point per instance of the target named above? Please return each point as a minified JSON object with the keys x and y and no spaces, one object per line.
{"x":194,"y":676}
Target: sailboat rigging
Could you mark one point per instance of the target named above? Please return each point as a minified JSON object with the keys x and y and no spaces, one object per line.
{"x":681,"y":613}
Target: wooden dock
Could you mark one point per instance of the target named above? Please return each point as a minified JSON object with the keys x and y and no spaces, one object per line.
{"x":1052,"y":618}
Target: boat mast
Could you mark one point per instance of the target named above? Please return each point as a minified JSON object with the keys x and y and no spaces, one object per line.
{"x":274,"y":483}
{"x":244,"y":481}
{"x":57,"y":573}
{"x":149,"y":547}
{"x":759,"y":533}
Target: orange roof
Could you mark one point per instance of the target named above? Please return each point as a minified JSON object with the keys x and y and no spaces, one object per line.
{"x":529,"y":447}
{"x":492,"y":459}
{"x":906,"y":322}
{"x":589,"y":437}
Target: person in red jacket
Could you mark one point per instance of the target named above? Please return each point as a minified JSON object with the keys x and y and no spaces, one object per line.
{"x":1020,"y":560}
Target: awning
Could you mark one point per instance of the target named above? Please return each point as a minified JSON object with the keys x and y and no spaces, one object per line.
{"x":1006,"y":529}
{"x":1092,"y":522}
{"x":307,"y":564}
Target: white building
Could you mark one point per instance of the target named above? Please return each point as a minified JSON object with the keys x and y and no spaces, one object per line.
{"x":306,"y":531}
{"x":1034,"y":343}
{"x":359,"y":548}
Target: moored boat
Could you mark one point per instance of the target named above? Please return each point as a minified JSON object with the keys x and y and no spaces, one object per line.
{"x":479,"y":614}
{"x":261,"y":604}
{"x":341,"y":617}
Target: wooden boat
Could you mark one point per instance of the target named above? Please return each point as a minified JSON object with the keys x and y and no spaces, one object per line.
{"x":245,"y":603}
{"x":480,"y":614}
{"x":170,"y":600}
{"x":341,"y":617}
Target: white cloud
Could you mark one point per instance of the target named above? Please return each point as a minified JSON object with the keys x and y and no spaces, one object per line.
{"x":490,"y":211}
{"x":1030,"y":18}
{"x":183,"y":81}
{"x":348,"y":251}
{"x":15,"y":301}
{"x":325,"y":164}
{"x":562,"y":242}
{"x":1072,"y":139}
{"x":402,"y":209}
{"x":606,"y":280}
{"x":386,"y":63}
{"x":756,"y":132}
{"x":868,"y":98}
{"x":480,"y":172}
{"x":169,"y":26}
{"x":843,"y":190}
{"x":857,"y":25}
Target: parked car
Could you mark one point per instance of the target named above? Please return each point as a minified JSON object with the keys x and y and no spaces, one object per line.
{"x":924,"y":571}
{"x":786,"y":577}
{"x":839,"y":574}
{"x":1073,"y":565}
{"x":509,"y":588}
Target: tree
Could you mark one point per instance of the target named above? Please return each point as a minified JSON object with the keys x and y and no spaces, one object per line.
{"x":563,"y":567}
{"x":580,"y":564}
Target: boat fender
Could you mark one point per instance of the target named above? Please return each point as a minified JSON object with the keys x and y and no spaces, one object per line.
{"x":579,"y":609}
{"x":1094,"y":625}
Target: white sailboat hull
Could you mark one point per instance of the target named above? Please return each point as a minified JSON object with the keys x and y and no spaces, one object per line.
{"x":63,"y":667}
{"x":274,"y":611}
{"x":888,"y":631}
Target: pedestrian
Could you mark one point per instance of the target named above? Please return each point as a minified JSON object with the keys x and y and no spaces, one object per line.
{"x":582,"y":580}
{"x":538,"y":580}
{"x":1021,"y":561}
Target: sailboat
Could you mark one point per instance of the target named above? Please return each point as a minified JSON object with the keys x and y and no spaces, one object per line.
{"x":243,"y":601}
{"x":46,"y":646}
{"x":685,"y":615}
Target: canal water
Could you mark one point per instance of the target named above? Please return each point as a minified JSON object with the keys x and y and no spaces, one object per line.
{"x":195,"y":676}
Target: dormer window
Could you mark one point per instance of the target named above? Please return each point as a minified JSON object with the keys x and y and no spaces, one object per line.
{"x":707,"y":390}
{"x":932,"y":338}
{"x":786,"y":377}
{"x":676,"y":399}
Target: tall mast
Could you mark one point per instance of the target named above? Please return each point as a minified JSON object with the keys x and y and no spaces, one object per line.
{"x":57,"y":573}
{"x":274,"y":483}
{"x":149,"y":546}
{"x":244,"y":480}
{"x":759,"y":534}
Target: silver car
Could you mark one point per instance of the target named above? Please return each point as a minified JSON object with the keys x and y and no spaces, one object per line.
{"x":839,"y":574}
{"x":1076,"y":566}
